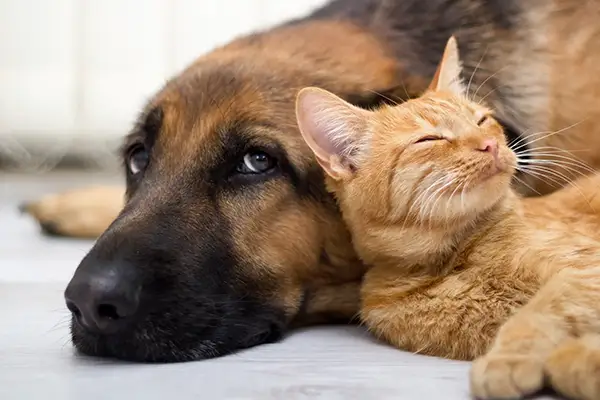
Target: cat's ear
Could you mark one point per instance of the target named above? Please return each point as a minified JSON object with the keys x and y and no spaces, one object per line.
{"x":448,"y":74}
{"x":334,"y":129}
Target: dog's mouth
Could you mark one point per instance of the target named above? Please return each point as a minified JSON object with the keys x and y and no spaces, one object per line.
{"x":151,"y":343}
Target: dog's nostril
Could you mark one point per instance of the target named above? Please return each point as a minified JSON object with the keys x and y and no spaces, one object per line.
{"x":74,"y":309}
{"x":108,"y":311}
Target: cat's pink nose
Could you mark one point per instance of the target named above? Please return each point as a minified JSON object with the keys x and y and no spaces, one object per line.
{"x":489,"y":146}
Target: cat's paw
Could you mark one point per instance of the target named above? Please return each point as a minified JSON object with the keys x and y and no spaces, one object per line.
{"x":506,"y":376}
{"x":573,"y":369}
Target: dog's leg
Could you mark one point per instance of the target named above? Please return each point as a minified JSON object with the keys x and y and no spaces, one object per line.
{"x":82,"y":213}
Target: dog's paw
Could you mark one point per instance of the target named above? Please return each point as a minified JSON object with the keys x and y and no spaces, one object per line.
{"x":80,"y":213}
{"x":573,"y":369}
{"x":506,"y":376}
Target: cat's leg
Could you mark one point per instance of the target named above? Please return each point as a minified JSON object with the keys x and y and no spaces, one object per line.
{"x":455,"y":317}
{"x":573,"y":369}
{"x":566,"y":307}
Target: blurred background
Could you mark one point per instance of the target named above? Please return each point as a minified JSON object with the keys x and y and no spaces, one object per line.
{"x":74,"y":73}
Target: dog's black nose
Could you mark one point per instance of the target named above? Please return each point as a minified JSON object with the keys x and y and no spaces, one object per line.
{"x":103,"y":298}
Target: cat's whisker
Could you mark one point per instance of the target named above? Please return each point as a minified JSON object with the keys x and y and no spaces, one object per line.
{"x":555,"y":158}
{"x":438,"y":195}
{"x":462,"y":196}
{"x":567,"y":165}
{"x":394,"y":102}
{"x":548,"y":150}
{"x":405,"y":90}
{"x":524,"y":141}
{"x":488,"y":78}
{"x":571,"y":165}
{"x":422,"y":195}
{"x":475,"y":70}
{"x":521,"y":181}
{"x":425,"y":203}
{"x":548,"y":180}
{"x":568,"y":181}
{"x":525,"y":136}
{"x":553,"y":149}
{"x":449,"y":201}
{"x":550,"y":134}
{"x":490,"y":92}
{"x":549,"y":171}
{"x":538,"y":156}
{"x":433,"y":208}
{"x":519,"y":140}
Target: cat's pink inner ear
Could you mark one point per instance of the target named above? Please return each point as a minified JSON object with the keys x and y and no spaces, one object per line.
{"x":330,"y":126}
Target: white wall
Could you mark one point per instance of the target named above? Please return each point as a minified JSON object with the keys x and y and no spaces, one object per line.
{"x":73,"y":70}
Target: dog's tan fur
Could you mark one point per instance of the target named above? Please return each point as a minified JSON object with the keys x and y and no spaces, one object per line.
{"x":445,"y":274}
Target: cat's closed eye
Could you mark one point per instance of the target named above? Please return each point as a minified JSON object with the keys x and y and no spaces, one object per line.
{"x":428,"y":138}
{"x":484,"y":118}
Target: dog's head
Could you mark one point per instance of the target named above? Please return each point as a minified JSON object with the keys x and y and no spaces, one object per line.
{"x":228,"y":233}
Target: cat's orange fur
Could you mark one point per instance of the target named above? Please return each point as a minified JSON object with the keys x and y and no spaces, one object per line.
{"x":461,"y":266}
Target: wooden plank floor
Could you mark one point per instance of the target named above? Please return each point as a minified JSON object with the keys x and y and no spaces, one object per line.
{"x":38,"y":362}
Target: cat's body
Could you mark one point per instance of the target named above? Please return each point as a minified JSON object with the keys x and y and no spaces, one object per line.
{"x":460,"y":265}
{"x":455,"y":309}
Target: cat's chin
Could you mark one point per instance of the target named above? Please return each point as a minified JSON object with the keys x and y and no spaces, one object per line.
{"x":488,"y":191}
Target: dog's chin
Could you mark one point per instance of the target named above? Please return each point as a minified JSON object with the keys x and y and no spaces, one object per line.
{"x":152,"y":344}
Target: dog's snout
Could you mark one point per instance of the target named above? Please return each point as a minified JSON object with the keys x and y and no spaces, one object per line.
{"x":103,"y":298}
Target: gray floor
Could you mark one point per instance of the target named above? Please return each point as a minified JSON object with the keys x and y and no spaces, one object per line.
{"x":38,"y":362}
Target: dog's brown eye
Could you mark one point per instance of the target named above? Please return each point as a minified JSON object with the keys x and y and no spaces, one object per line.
{"x":138,"y":159}
{"x":482,"y":120}
{"x":256,"y":162}
{"x":429,"y":138}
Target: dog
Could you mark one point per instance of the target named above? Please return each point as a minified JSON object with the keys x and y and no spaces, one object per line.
{"x":226,"y":236}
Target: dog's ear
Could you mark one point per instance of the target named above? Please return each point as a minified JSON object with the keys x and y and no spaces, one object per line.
{"x":335,"y":130}
{"x":448,"y":74}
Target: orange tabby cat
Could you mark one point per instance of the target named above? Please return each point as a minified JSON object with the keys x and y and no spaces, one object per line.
{"x":461,"y":266}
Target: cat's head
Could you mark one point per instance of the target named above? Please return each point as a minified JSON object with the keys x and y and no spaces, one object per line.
{"x":437,"y":159}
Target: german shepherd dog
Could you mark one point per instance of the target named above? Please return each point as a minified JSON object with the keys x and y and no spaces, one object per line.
{"x":227,"y":236}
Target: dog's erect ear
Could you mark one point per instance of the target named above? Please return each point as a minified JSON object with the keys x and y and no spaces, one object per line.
{"x":448,"y":74}
{"x":335,"y":130}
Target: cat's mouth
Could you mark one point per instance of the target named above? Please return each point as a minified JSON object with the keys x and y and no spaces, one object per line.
{"x":490,"y":172}
{"x":496,"y":166}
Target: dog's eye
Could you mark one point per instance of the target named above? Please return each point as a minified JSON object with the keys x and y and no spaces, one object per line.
{"x":429,"y":138}
{"x":138,"y":159}
{"x":256,"y":162}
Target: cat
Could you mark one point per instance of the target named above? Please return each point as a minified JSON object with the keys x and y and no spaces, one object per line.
{"x":461,"y":266}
